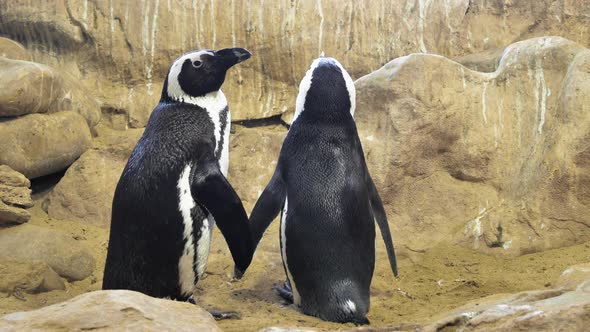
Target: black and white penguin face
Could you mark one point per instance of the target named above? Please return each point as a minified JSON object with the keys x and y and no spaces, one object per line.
{"x":328,"y":83}
{"x":198,"y":73}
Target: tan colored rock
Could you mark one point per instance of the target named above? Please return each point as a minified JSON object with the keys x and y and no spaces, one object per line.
{"x":573,"y":276}
{"x":281,"y":329}
{"x":486,"y":61}
{"x":112,"y":310}
{"x":253,"y":158}
{"x":15,"y":196}
{"x":99,"y":170}
{"x":27,"y":87}
{"x":545,"y":310}
{"x":91,"y":202}
{"x":495,"y":161}
{"x":79,"y":99}
{"x":11,"y":214}
{"x":30,"y":87}
{"x":122,"y":53}
{"x":30,"y":277}
{"x":19,"y":196}
{"x":12,"y":50}
{"x":65,"y":255}
{"x":10,"y":177}
{"x":41,"y":144}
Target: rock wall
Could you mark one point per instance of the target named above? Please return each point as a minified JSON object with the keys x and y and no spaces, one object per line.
{"x":494,"y":161}
{"x":122,"y":49}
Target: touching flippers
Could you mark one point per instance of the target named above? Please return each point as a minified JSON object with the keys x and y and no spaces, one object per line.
{"x":211,"y":189}
{"x":268,"y":206}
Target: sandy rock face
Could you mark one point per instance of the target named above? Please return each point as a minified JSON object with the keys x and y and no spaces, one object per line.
{"x":15,"y":196}
{"x":133,"y":43}
{"x":85,"y":193}
{"x":253,"y":158}
{"x":27,"y":87}
{"x":495,"y":161}
{"x":113,"y":310}
{"x":41,"y":144}
{"x":30,"y":277}
{"x":27,"y":243}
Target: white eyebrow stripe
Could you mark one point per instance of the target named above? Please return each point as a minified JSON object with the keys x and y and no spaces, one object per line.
{"x":174,"y":90}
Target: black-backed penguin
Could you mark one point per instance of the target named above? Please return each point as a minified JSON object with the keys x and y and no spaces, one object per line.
{"x":174,"y":188}
{"x":328,"y":200}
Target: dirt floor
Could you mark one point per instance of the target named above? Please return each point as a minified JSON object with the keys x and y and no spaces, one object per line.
{"x":429,"y":283}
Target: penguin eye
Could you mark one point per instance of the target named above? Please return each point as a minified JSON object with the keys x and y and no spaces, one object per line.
{"x":197,"y":64}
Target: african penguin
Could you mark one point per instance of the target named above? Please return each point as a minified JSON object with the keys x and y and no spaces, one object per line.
{"x":328,"y":201}
{"x":174,"y":188}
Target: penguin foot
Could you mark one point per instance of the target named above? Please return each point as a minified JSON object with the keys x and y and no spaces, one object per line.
{"x":191,"y":300}
{"x":285,"y":291}
{"x":219,"y":315}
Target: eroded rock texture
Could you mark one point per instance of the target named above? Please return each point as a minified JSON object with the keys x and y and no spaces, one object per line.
{"x":494,"y":161}
{"x":15,"y":196}
{"x":112,"y":310}
{"x":27,"y":243}
{"x":122,"y":50}
{"x":86,"y":191}
{"x":542,"y":310}
{"x":41,"y":144}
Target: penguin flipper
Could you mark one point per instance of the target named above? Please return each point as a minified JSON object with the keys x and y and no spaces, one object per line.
{"x":381,"y":219}
{"x":212,"y":190}
{"x":268,"y":206}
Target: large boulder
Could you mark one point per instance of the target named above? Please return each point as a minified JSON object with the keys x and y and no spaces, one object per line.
{"x":108,"y":43}
{"x":30,"y":277}
{"x":112,"y":310}
{"x":33,"y":243}
{"x":27,"y":87}
{"x":543,"y":310}
{"x":85,"y":193}
{"x":498,"y":162}
{"x":41,"y":144}
{"x":12,"y":50}
{"x":15,"y":196}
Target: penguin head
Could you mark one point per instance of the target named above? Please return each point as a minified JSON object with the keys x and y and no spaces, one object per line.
{"x":198,"y":73}
{"x":326,"y":87}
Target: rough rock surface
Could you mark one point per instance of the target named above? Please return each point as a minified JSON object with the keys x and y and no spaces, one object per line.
{"x":495,"y":161}
{"x":85,"y":193}
{"x":12,"y":50}
{"x":30,"y":277}
{"x":112,"y":310}
{"x":544,"y":310}
{"x":41,"y":144}
{"x":15,"y":196}
{"x":33,"y":243}
{"x":573,"y":276}
{"x":107,"y":43}
{"x":27,"y":87}
{"x":253,"y":157}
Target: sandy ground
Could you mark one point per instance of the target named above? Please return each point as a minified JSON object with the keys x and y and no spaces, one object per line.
{"x":429,"y":283}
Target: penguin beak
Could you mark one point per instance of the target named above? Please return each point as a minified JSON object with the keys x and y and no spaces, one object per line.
{"x":232,"y":56}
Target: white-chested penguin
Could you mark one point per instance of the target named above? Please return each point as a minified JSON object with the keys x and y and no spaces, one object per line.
{"x":173,"y":188}
{"x":328,"y":200}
